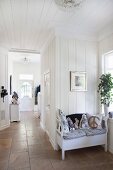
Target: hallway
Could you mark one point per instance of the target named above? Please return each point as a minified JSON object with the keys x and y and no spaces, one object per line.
{"x":25,"y":146}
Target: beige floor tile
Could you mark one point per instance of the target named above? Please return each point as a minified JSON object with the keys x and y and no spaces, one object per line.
{"x":35,"y":150}
{"x":5,"y":143}
{"x":3,"y":165}
{"x":33,"y":141}
{"x":19,"y":160}
{"x":19,"y":146}
{"x":19,"y":137}
{"x":40,"y":164}
{"x":19,"y":169}
{"x":4,"y":154}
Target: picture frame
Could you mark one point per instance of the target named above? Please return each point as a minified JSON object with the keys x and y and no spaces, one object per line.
{"x":78,"y":81}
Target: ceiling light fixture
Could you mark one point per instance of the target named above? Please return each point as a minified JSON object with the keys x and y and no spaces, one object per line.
{"x":68,"y":4}
{"x":26,"y":59}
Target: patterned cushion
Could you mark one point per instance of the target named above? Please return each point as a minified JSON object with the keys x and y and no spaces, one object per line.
{"x":95,"y":121}
{"x":74,"y":116}
{"x":64,"y":121}
{"x":84,"y":122}
{"x":74,"y":134}
{"x":92,"y":132}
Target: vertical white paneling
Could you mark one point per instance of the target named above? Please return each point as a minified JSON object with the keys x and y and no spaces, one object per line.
{"x":72,"y":67}
{"x":76,"y":55}
{"x":4,"y":107}
{"x":72,"y":54}
{"x":57,"y":73}
{"x":80,"y":102}
{"x":80,"y":46}
{"x":64,"y":75}
{"x":92,"y":71}
{"x":48,"y":64}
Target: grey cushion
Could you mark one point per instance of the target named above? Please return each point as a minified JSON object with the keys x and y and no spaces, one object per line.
{"x":92,"y":132}
{"x":74,"y":134}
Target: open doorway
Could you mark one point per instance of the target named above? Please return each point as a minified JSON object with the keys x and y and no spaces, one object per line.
{"x":26,"y":86}
{"x":24,"y":68}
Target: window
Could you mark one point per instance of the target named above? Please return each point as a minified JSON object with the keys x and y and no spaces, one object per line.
{"x":108,"y":68}
{"x":26,"y":90}
{"x":26,"y":85}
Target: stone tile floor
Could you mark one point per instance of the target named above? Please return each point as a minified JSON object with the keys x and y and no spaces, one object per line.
{"x":25,"y":146}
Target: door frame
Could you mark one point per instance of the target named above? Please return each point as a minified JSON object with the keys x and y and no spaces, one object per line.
{"x":47,"y":106}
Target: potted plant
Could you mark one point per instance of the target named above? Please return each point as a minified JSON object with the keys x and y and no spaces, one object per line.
{"x":105,"y":89}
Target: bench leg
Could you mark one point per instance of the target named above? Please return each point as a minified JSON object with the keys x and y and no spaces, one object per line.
{"x":63,"y":154}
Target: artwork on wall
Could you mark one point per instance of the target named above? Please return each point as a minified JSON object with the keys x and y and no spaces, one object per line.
{"x":78,"y":81}
{"x":10,"y":84}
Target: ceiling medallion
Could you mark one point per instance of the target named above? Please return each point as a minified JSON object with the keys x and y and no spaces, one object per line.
{"x":68,"y":4}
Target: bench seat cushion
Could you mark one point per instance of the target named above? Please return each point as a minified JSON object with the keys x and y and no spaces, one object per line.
{"x":74,"y":134}
{"x":83,"y":132}
{"x":92,"y":132}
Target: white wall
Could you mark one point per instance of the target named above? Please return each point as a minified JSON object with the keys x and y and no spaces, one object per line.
{"x":48,"y":64}
{"x":105,"y":46}
{"x":4,"y":107}
{"x":61,"y":56}
{"x":76,"y":55}
{"x":10,"y":73}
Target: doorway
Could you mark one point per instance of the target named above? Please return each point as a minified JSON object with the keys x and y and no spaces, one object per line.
{"x":26,"y":93}
{"x":47,"y":101}
{"x":25,"y":70}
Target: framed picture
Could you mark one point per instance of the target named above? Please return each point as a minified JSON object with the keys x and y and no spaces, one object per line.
{"x":78,"y":81}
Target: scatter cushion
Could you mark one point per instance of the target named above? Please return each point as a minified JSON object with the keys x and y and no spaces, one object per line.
{"x":92,"y":132}
{"x":84,"y":122}
{"x":64,"y":121}
{"x":94,"y":122}
{"x":70,"y":123}
{"x":74,"y":134}
{"x":74,"y":116}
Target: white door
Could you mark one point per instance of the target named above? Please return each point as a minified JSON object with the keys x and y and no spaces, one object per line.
{"x":26,"y":95}
{"x":47,"y":100}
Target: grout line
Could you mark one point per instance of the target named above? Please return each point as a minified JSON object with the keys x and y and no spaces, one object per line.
{"x":9,"y":153}
{"x":27,"y":144}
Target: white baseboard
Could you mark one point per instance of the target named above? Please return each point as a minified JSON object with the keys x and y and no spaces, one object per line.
{"x":47,"y":132}
{"x":53,"y":144}
{"x":5,"y":126}
{"x":110,"y":149}
{"x":42,"y":126}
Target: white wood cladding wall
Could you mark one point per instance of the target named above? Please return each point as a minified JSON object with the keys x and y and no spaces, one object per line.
{"x":60,"y":57}
{"x":48,"y":64}
{"x":76,"y":55}
{"x":4,"y":108}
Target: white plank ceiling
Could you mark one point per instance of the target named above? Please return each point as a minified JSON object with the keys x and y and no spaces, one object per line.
{"x":26,"y":24}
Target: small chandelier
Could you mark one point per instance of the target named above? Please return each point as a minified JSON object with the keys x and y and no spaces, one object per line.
{"x":26,"y":59}
{"x":68,"y":4}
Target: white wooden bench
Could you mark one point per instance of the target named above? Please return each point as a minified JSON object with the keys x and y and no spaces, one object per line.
{"x":80,"y":142}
